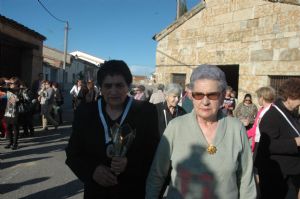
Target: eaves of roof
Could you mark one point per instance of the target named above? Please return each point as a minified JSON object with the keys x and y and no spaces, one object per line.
{"x":21,"y":27}
{"x":197,"y":9}
{"x":179,"y":22}
{"x":293,"y":2}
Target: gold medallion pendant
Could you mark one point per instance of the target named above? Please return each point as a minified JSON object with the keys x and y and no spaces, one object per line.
{"x":211,"y":149}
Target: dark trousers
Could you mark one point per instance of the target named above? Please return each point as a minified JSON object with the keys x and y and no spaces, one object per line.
{"x":276,"y":186}
{"x":26,"y":121}
{"x":12,"y":130}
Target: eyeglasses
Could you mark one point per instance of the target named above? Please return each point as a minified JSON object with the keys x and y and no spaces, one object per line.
{"x":210,"y":96}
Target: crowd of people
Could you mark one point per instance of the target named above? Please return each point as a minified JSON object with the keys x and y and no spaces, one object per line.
{"x":196,"y":143}
{"x":19,"y":103}
{"x":199,"y":142}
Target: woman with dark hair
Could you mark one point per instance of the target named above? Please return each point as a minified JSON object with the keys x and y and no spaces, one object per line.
{"x":114,"y":139}
{"x":278,"y":153}
{"x":26,"y":115}
{"x":91,"y":94}
{"x":11,"y":113}
{"x":58,"y":102}
{"x":75,"y":91}
{"x":246,"y":111}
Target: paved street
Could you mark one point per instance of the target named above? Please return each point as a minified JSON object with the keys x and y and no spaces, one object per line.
{"x":37,"y":169}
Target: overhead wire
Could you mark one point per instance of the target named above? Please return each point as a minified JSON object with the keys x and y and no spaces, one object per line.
{"x":51,"y":13}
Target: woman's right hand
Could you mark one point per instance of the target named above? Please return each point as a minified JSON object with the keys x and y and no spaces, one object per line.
{"x":104,"y":177}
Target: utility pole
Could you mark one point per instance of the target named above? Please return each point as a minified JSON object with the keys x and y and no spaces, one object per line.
{"x":65,"y":39}
{"x":65,"y":50}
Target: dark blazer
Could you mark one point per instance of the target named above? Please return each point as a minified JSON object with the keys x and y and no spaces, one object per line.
{"x":277,"y":155}
{"x":277,"y":145}
{"x":161,"y":116}
{"x":87,"y":149}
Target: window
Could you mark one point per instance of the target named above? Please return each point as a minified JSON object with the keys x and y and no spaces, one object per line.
{"x":277,"y":81}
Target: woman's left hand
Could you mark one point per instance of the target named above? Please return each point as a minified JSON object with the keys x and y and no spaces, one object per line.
{"x":118,"y":164}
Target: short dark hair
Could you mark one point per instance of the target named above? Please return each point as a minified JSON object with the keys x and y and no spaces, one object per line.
{"x":290,"y":89}
{"x":114,"y":67}
{"x":248,"y":95}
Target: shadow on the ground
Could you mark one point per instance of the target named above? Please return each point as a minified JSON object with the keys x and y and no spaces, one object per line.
{"x":34,"y":151}
{"x":5,"y":165}
{"x":40,"y":144}
{"x":8,"y":187}
{"x":45,"y":138}
{"x":62,"y":191}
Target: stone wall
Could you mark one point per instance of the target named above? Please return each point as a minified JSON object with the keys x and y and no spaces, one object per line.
{"x":262,"y":37}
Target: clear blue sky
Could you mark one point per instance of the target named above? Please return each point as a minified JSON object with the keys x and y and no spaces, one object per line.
{"x":108,"y":29}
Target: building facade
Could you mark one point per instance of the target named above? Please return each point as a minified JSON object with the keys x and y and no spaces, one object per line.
{"x":53,"y":61}
{"x":255,"y":42}
{"x":20,"y":51}
{"x":83,"y":66}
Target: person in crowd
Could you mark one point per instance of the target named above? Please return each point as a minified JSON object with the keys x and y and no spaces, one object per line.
{"x":140,"y":93}
{"x":58,"y":102}
{"x":114,"y":157}
{"x":229,"y":103}
{"x":35,"y":88}
{"x":11,"y":113}
{"x":169,"y":109}
{"x":187,"y":103}
{"x":208,"y":150}
{"x":36,"y":85}
{"x":233,"y":95}
{"x":278,"y":153}
{"x":92,"y":92}
{"x":82,"y":95}
{"x":74,"y":92}
{"x":266,"y":96}
{"x":148,"y":93}
{"x":3,"y":103}
{"x":47,"y":100}
{"x":26,"y":113}
{"x":246,"y":111}
{"x":158,"y":96}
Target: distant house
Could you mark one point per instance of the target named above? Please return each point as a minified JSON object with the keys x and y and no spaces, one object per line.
{"x":20,"y":50}
{"x":139,"y":79}
{"x":255,"y":42}
{"x":53,"y":61}
{"x":83,"y":66}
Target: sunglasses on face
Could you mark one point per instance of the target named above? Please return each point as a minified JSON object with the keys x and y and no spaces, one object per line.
{"x":210,"y":96}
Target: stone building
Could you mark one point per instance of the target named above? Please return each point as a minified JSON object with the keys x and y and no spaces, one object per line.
{"x":20,"y":50}
{"x":255,"y":42}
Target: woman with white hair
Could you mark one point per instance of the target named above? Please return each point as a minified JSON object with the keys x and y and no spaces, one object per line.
{"x":169,"y":109}
{"x":209,"y":151}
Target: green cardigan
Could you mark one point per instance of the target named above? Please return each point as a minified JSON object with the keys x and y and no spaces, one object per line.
{"x":197,"y":174}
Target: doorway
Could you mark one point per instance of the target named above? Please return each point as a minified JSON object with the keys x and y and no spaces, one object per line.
{"x":232,"y":75}
{"x":179,"y":78}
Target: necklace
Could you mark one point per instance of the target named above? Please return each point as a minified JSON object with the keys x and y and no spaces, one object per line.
{"x":211,"y":149}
